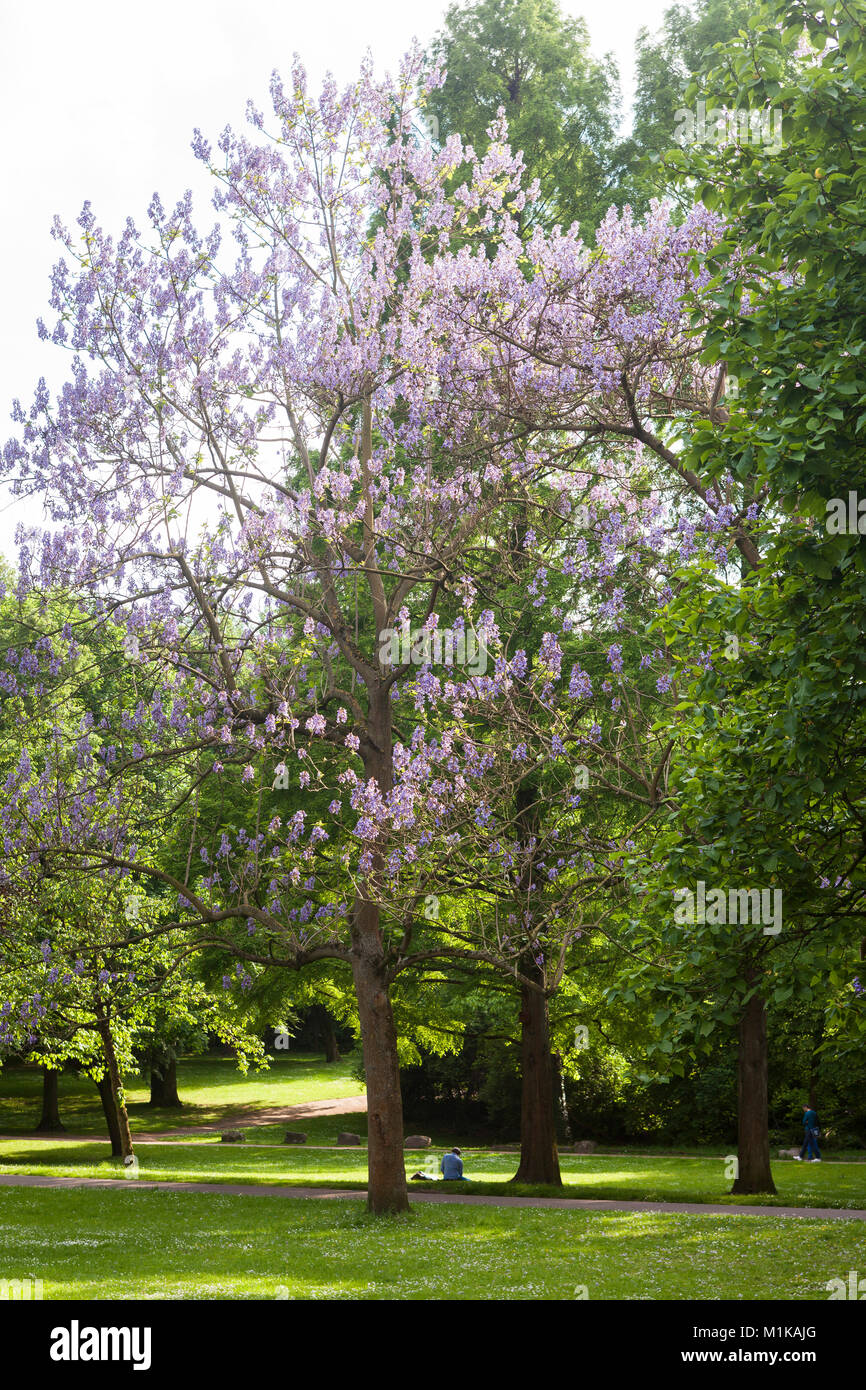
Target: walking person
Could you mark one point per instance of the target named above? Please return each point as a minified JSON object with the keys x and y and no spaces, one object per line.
{"x":810,"y":1136}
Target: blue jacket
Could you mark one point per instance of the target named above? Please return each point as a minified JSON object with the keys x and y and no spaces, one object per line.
{"x":452,"y":1166}
{"x":810,"y":1120}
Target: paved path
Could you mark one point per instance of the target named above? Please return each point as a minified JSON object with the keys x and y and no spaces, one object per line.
{"x":460,"y":1198}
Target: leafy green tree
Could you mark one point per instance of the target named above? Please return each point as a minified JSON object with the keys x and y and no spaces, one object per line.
{"x":534,"y":62}
{"x":100,"y":983}
{"x":667,"y":62}
{"x":772,"y":781}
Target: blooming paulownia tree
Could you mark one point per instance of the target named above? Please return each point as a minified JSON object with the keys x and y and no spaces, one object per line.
{"x":282,"y":441}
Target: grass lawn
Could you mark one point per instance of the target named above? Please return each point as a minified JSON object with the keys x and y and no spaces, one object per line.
{"x":211,"y":1089}
{"x":123,"y":1245}
{"x":635,"y":1177}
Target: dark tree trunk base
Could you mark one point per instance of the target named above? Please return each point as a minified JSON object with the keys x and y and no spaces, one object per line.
{"x":109,"y":1109}
{"x":539,"y":1157}
{"x":49,"y":1120}
{"x":754,"y":1173}
{"x":386,"y":1187}
{"x":110,"y":1090}
{"x":163,"y":1086}
{"x":327,"y":1036}
{"x":387,"y":1190}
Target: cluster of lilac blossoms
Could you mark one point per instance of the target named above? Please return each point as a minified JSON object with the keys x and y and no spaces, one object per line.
{"x":281,"y":439}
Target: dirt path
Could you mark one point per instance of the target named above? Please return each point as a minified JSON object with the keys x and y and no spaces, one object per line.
{"x":246,"y":1119}
{"x":459,"y":1198}
{"x":275,"y":1115}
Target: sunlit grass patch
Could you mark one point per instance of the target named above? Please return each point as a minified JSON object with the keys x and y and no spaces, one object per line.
{"x":125,"y":1245}
{"x":211,"y":1089}
{"x":636,"y":1178}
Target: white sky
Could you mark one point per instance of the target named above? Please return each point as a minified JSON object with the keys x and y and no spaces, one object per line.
{"x":99,"y":101}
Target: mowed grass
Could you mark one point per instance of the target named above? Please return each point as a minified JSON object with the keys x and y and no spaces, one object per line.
{"x":155,"y":1245}
{"x":211,"y":1089}
{"x":215,"y":1091}
{"x":627,"y":1178}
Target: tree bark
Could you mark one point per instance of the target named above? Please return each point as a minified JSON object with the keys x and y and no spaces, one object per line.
{"x":112,"y":1096}
{"x":109,"y":1109}
{"x":49,"y":1120}
{"x":163,"y":1083}
{"x":539,"y":1158}
{"x":753,"y":1149}
{"x":326,"y":1032}
{"x":386,"y":1185}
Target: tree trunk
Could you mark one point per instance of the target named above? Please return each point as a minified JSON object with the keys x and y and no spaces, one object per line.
{"x":332,"y":1050}
{"x":325,"y":1029}
{"x":386,"y":1182}
{"x":754,"y":1173}
{"x":539,"y":1159}
{"x":386,"y":1186}
{"x":109,"y":1109}
{"x":112,"y":1096}
{"x":163,"y":1083}
{"x":49,"y":1120}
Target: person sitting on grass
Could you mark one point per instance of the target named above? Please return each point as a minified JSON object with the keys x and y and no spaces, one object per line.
{"x":452,"y":1167}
